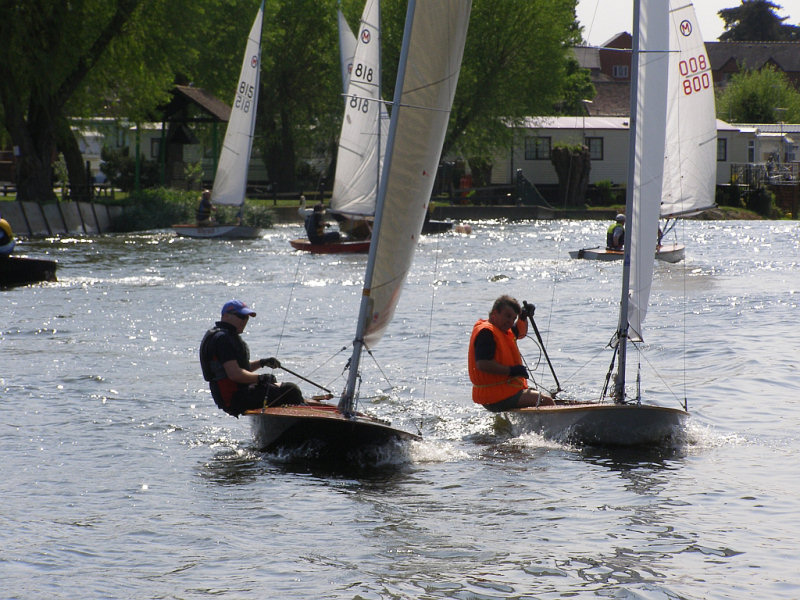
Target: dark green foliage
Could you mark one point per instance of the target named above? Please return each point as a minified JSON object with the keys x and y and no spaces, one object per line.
{"x":729,"y":196}
{"x":761,"y":201}
{"x":756,"y":21}
{"x":120,"y":168}
{"x":160,"y":208}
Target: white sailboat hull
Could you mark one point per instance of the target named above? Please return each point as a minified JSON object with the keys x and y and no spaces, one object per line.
{"x":602,"y":424}
{"x":670,"y":253}
{"x":320,"y":425}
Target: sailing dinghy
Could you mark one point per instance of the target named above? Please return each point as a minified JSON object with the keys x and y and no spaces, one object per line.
{"x":362,"y":140}
{"x":667,"y":47}
{"x":430,"y":60}
{"x":230,"y":180}
{"x":690,"y":133}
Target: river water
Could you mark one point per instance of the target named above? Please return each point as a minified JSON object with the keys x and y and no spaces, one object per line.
{"x":121,"y":479}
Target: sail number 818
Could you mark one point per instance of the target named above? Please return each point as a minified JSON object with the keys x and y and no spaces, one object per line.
{"x":694,"y":72}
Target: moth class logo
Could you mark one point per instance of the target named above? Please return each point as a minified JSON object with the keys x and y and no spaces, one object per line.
{"x":686,"y":28}
{"x":366,"y":36}
{"x":254,"y":61}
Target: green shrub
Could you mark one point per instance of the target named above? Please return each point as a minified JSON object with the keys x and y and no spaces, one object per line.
{"x":160,"y":208}
{"x":761,"y":201}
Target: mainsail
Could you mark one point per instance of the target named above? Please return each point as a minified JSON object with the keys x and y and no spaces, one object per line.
{"x":230,"y":181}
{"x":691,"y":156}
{"x":430,"y":61}
{"x":675,"y":114}
{"x":362,"y":140}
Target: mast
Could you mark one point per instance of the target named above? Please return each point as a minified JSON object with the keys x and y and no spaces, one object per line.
{"x":622,"y":326}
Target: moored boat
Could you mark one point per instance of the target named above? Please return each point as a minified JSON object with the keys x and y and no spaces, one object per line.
{"x":23,"y":270}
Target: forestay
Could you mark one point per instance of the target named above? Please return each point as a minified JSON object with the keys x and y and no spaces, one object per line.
{"x":230,"y":181}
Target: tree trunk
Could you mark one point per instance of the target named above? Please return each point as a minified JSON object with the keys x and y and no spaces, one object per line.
{"x":281,"y":155}
{"x":36,"y":141}
{"x":78,"y":179}
{"x":572,"y":166}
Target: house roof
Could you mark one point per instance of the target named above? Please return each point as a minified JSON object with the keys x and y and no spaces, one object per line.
{"x":755,"y":55}
{"x":185,"y":95}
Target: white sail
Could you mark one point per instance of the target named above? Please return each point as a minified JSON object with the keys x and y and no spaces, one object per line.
{"x":649,"y":131}
{"x":430,"y":61}
{"x":691,"y":155}
{"x":362,"y":140}
{"x":230,"y":181}
{"x":347,"y":49}
{"x":427,"y":78}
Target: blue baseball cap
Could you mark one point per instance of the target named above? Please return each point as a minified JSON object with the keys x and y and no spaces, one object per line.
{"x":238,"y":308}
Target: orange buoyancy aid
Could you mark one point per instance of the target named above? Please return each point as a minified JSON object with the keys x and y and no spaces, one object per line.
{"x":488,"y":388}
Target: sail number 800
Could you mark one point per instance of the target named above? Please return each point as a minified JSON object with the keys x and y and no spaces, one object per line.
{"x":694,"y":72}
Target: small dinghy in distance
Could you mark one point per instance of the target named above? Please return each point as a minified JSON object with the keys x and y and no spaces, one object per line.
{"x":343,"y":247}
{"x":230,"y":180}
{"x":672,"y":67}
{"x":430,"y":61}
{"x":671,"y":253}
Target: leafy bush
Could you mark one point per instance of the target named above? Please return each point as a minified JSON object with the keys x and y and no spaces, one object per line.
{"x":729,"y":196}
{"x":761,"y":201}
{"x":160,"y":208}
{"x":120,"y":169}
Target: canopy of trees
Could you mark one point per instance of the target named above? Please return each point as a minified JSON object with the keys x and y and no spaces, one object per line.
{"x":120,"y":58}
{"x":756,"y":21}
{"x":764,"y":96}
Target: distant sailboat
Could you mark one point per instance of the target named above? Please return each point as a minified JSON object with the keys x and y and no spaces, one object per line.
{"x":362,"y":140}
{"x":690,"y":133}
{"x":669,"y":54}
{"x":430,"y":61}
{"x":230,"y":180}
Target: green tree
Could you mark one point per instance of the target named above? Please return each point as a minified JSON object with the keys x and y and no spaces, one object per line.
{"x":755,"y":21}
{"x":300,"y":108}
{"x":754,"y":96}
{"x":67,"y":59}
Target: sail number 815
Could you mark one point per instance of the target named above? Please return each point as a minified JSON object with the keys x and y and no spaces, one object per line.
{"x":244,"y":96}
{"x":694,"y":72}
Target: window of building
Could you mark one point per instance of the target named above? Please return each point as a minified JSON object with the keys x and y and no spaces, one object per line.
{"x":722,"y":149}
{"x":537,"y":148}
{"x":595,"y":145}
{"x":155,"y":146}
{"x":751,"y":151}
{"x":619,"y":71}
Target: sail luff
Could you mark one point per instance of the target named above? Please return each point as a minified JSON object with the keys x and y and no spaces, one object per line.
{"x":230,"y":180}
{"x":430,"y":61}
{"x":347,"y":49}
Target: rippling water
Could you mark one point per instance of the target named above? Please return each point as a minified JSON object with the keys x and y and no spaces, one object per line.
{"x":122,"y":480}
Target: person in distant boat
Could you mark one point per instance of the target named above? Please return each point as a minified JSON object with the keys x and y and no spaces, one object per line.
{"x":315,"y":227}
{"x":204,"y":209}
{"x":226,"y":364}
{"x":615,"y":235}
{"x":7,"y":241}
{"x":499,"y":379}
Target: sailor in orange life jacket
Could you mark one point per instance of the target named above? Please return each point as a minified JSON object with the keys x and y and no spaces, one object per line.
{"x":499,"y":380}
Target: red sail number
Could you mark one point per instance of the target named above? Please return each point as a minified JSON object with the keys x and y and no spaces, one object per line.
{"x":694,"y":72}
